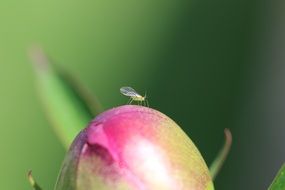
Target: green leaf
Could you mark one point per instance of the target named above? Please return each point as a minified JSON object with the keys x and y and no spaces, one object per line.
{"x":32,"y":181}
{"x":68,"y":104}
{"x":222,"y":155}
{"x":279,"y":181}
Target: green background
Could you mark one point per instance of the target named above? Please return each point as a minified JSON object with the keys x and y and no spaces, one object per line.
{"x":206,"y":64}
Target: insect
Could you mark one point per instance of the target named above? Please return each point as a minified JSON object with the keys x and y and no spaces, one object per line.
{"x":134,"y":96}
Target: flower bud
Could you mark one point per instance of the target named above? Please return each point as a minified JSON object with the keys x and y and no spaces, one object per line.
{"x":137,"y":148}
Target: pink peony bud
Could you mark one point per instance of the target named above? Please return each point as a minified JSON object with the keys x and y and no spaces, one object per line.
{"x":135,"y":148}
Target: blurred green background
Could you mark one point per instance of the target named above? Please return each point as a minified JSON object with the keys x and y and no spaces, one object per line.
{"x":207,"y":64}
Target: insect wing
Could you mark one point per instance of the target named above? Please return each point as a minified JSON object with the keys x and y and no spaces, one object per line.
{"x":128,"y":91}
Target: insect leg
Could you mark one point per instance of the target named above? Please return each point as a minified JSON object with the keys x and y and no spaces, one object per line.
{"x":131,"y":101}
{"x":147,"y":104}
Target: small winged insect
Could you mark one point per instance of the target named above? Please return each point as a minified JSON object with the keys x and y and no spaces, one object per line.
{"x":134,"y":96}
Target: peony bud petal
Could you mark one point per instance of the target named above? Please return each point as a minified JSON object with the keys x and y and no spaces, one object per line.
{"x":133,"y":147}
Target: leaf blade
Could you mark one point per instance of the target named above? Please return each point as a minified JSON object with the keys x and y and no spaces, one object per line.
{"x":68,"y":104}
{"x":279,"y":180}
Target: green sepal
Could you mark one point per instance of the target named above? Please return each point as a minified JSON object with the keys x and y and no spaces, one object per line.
{"x":32,"y":181}
{"x":222,"y":155}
